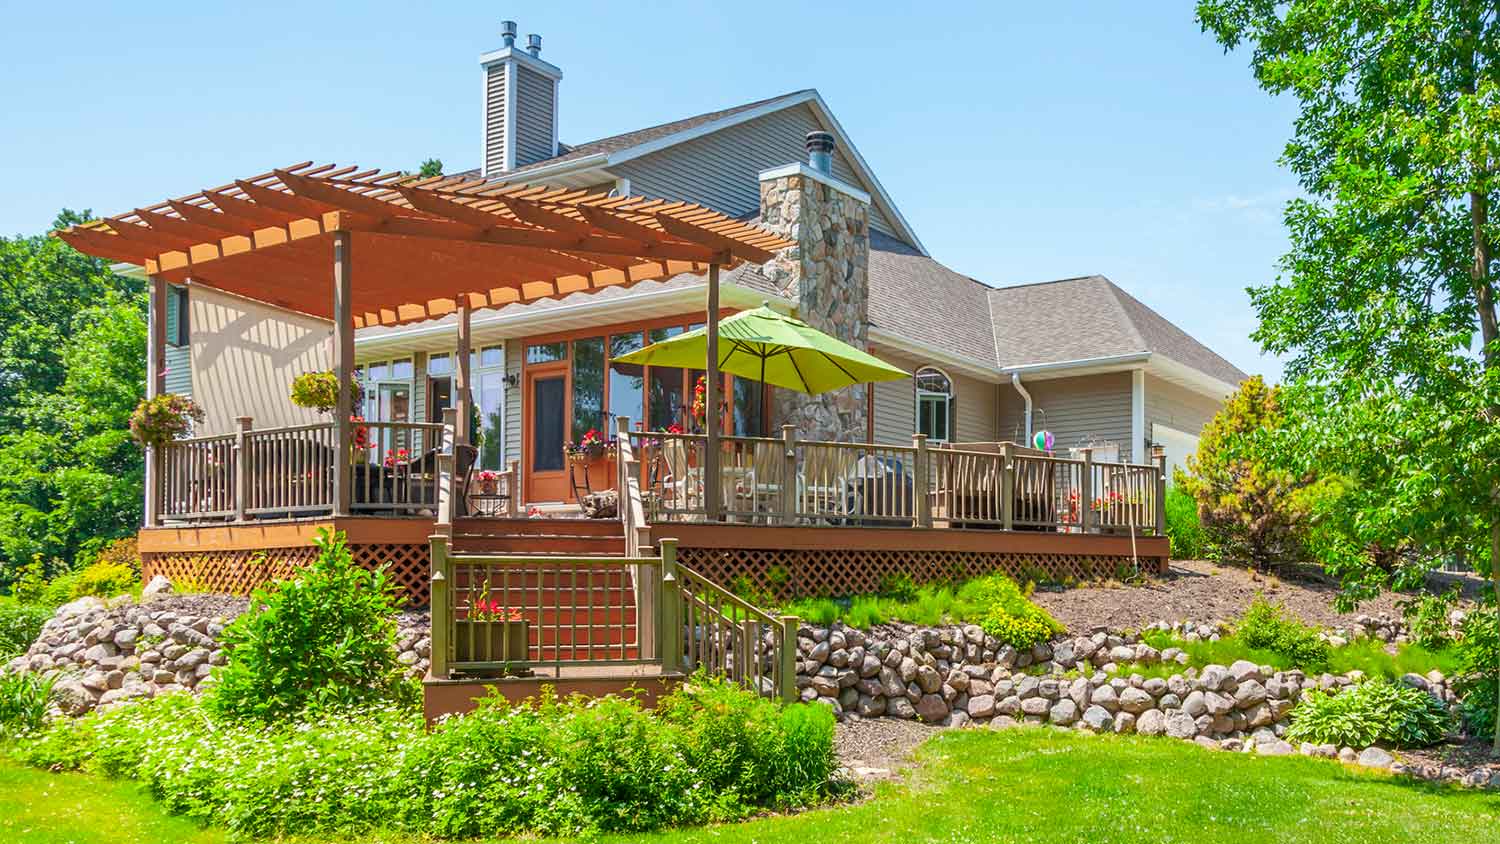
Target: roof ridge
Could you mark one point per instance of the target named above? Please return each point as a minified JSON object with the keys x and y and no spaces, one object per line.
{"x":1049,"y":281}
{"x":1115,"y":292}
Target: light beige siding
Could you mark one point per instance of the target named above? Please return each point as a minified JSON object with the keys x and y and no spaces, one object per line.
{"x":1091,"y":409}
{"x":722,"y":170}
{"x":975,"y":404}
{"x":494,"y":119}
{"x":514,"y":351}
{"x":1177,"y":407}
{"x":245,"y":355}
{"x":534,"y":116}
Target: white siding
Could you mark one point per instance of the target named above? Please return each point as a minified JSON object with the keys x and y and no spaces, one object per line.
{"x":975,"y":404}
{"x":534,"y":116}
{"x":1177,"y":407}
{"x":722,"y":170}
{"x":1078,"y":411}
{"x":245,"y":355}
{"x":494,"y":119}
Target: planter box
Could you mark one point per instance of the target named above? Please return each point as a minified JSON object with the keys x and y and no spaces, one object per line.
{"x":492,"y":641}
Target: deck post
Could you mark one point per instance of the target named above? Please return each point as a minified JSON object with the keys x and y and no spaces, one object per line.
{"x":668,"y":608}
{"x":789,"y":475}
{"x":1159,"y":457}
{"x":786,"y":676}
{"x":1086,"y":493}
{"x":1007,"y":486}
{"x":713,"y":484}
{"x":441,"y":607}
{"x":156,"y":373}
{"x":513,"y":487}
{"x":462,"y":397}
{"x":921,"y":474}
{"x":343,"y":370}
{"x":243,"y":470}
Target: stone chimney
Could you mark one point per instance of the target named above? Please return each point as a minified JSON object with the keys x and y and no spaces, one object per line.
{"x":827,"y":274}
{"x":520,"y":104}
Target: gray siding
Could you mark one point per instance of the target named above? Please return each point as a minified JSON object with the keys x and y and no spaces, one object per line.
{"x":1177,"y":407}
{"x":514,"y":351}
{"x":179,"y":375}
{"x":494,"y":119}
{"x":419,"y":387}
{"x":1078,"y":411}
{"x":974,"y":404}
{"x":534,"y":116}
{"x":722,"y":170}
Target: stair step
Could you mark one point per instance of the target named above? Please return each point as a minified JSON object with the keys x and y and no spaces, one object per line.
{"x":538,"y":527}
{"x":569,"y":617}
{"x":550,"y":546}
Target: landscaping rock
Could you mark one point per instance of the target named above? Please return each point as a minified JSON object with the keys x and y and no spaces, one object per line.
{"x":1375,"y":757}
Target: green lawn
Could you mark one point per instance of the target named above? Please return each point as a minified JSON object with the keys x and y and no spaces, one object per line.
{"x":1034,"y":786}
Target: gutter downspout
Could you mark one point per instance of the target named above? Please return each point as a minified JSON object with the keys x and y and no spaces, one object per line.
{"x":1015,"y":381}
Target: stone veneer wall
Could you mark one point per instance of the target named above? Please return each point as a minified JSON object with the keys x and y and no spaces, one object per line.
{"x":827,"y":274}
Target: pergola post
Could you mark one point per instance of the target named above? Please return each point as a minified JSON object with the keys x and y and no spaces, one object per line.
{"x":343,"y":370}
{"x":156,"y":374}
{"x":462,"y":397}
{"x":713,"y":486}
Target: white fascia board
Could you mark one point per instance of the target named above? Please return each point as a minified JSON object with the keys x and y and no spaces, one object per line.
{"x":1195,"y":379}
{"x":597,"y":160}
{"x":932,"y":354}
{"x":800,"y":169}
{"x":867,"y":174}
{"x":520,"y":56}
{"x":1065,"y":368}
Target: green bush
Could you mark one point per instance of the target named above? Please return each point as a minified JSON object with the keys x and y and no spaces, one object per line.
{"x":1375,"y":712}
{"x":1427,"y":617}
{"x":23,"y":703}
{"x":326,"y":638}
{"x":1478,"y":666}
{"x":104,"y":579}
{"x":20,"y":624}
{"x":549,"y":767}
{"x":1267,"y":626}
{"x":1008,"y":614}
{"x":1184,"y":531}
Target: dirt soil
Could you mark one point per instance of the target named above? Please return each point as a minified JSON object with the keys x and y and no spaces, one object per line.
{"x":1201,"y":591}
{"x":877,"y":748}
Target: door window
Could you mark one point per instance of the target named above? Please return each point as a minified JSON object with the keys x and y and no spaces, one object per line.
{"x":548,"y":396}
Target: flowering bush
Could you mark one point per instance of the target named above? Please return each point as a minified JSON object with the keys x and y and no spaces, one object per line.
{"x":547,"y":767}
{"x":320,"y":391}
{"x":395,"y":457}
{"x":167,"y":417}
{"x":359,"y":434}
{"x":489,"y":609}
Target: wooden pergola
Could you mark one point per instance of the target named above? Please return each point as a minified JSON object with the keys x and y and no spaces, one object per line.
{"x":366,"y":247}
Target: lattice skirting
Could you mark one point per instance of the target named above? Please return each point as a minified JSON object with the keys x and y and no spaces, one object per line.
{"x":833,"y":571}
{"x":239,"y":572}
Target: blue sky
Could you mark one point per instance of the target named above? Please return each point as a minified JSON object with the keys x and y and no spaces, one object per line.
{"x":1024,"y":142}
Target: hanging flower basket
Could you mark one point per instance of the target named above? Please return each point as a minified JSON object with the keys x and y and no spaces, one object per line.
{"x":320,"y":391}
{"x":163,"y":419}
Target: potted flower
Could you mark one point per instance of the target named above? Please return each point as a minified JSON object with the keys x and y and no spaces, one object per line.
{"x":160,"y":420}
{"x":700,"y":404}
{"x":491,"y":632}
{"x":593,"y":446}
{"x":489,"y":481}
{"x":320,"y":391}
{"x":359,"y":439}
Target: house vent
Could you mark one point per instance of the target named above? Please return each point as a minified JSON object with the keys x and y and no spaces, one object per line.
{"x":820,"y":151}
{"x":520,"y":104}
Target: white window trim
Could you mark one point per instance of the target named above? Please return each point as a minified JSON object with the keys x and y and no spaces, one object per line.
{"x":919,"y":394}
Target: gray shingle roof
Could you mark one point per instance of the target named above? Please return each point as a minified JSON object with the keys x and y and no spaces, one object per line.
{"x":917,"y":299}
{"x":626,"y":140}
{"x":1090,"y":317}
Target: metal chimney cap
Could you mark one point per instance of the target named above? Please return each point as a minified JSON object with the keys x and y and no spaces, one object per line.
{"x":534,"y":44}
{"x":820,"y":141}
{"x":508,"y":32}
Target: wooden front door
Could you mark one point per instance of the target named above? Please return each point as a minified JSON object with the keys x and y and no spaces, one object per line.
{"x":547,"y":425}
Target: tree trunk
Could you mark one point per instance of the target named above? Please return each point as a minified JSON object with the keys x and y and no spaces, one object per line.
{"x":1484,"y":297}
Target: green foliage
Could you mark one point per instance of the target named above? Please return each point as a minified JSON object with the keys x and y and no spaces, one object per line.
{"x":995,"y":603}
{"x":20,"y":624}
{"x":325,"y":638}
{"x":1478,"y":675}
{"x":23,"y":703}
{"x":1376,"y":711}
{"x":714,"y":751}
{"x":320,"y":391}
{"x":1367,"y":655}
{"x":1009,"y":614}
{"x":1268,"y":626}
{"x":104,"y":580}
{"x":431,"y":167}
{"x":1247,"y":505}
{"x":1184,"y":531}
{"x":898,"y":586}
{"x":1427,"y":617}
{"x":164,"y":418}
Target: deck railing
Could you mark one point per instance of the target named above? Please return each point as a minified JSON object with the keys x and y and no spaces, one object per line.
{"x":788,"y":481}
{"x":286,"y":472}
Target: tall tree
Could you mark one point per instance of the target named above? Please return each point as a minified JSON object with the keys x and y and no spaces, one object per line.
{"x":1386,"y":299}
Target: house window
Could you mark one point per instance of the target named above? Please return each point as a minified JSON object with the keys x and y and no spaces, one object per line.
{"x":177,"y":316}
{"x":588,"y":387}
{"x":934,"y":404}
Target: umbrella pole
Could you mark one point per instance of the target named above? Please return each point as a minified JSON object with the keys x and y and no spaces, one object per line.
{"x":713,"y":487}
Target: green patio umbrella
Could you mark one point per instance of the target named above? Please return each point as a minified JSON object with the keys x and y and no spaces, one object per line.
{"x":775,"y":349}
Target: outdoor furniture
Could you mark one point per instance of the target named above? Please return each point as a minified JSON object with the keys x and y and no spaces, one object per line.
{"x":968,"y":489}
{"x":878,"y":491}
{"x":464,"y":458}
{"x":824,"y":469}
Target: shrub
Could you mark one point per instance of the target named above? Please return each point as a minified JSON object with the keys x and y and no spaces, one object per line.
{"x":23,"y":703}
{"x":1478,"y":664}
{"x":324,"y":638}
{"x":123,"y":551}
{"x":20,"y":624}
{"x":1374,"y":712}
{"x":1008,"y":613}
{"x":898,"y":586}
{"x":1427,"y":617}
{"x":1267,"y":626}
{"x":1184,"y":531}
{"x":104,"y":579}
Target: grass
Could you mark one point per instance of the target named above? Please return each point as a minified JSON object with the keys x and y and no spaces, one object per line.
{"x":1367,"y":655}
{"x":1032,"y":785}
